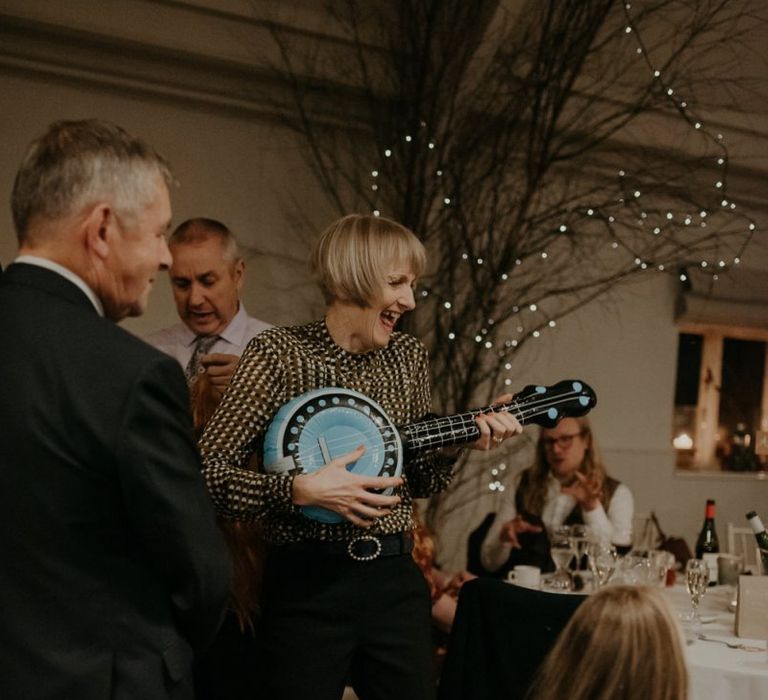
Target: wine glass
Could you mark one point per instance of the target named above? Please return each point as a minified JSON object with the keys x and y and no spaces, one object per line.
{"x":579,"y":539}
{"x":602,"y":558}
{"x":696,"y":581}
{"x":562,"y":552}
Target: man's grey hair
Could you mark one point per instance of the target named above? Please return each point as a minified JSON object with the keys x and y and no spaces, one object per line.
{"x":77,"y":163}
{"x":201,"y":229}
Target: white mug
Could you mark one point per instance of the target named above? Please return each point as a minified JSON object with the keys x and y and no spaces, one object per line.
{"x":528,"y":576}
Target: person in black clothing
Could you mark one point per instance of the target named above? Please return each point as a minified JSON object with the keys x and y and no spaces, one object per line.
{"x":113,"y":571}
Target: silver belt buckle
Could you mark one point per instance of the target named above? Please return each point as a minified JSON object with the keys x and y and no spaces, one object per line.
{"x":364,"y":538}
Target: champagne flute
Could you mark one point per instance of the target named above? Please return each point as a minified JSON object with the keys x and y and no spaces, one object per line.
{"x":562,"y":552}
{"x":696,"y":581}
{"x":579,"y":539}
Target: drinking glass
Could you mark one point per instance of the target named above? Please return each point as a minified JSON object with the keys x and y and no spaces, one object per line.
{"x":661,"y":563}
{"x":602,"y":559}
{"x":579,"y":535}
{"x":562,"y":552}
{"x":635,"y":570}
{"x":696,"y":581}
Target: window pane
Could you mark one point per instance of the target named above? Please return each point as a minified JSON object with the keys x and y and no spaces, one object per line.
{"x":688,"y":369}
{"x":741,"y":395}
{"x":686,"y":397}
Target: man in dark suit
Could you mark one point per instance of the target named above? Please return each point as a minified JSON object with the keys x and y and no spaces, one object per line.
{"x":112,"y":570}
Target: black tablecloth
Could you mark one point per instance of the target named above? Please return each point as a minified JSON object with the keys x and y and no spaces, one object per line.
{"x":500,"y":636}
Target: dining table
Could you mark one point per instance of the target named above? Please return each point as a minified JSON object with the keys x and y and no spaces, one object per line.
{"x":502,"y":631}
{"x":721,"y":666}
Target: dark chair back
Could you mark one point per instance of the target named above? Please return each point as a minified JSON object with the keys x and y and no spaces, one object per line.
{"x":475,"y":543}
{"x":500,"y":636}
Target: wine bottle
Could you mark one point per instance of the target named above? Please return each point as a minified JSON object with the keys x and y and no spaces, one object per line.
{"x":761,"y":536}
{"x":707,"y":545}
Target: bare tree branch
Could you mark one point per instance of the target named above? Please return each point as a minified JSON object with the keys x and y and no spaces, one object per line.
{"x":544,"y":151}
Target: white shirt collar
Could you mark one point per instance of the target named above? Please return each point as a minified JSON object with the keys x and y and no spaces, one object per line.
{"x":67,"y":274}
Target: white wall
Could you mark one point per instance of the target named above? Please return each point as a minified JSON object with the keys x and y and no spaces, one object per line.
{"x":246,"y":173}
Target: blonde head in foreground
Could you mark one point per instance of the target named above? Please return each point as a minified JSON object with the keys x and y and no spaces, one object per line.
{"x":621,"y":644}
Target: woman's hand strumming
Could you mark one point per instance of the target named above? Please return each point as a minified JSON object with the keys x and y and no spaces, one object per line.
{"x":336,"y":489}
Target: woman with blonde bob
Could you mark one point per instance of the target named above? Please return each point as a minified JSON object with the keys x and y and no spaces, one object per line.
{"x":566,"y":485}
{"x":341,"y":600}
{"x":621,"y":644}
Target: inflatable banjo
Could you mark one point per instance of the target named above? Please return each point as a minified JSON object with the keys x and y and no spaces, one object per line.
{"x":318,"y":426}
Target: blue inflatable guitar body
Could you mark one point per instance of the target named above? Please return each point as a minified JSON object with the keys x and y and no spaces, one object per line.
{"x":318,"y":426}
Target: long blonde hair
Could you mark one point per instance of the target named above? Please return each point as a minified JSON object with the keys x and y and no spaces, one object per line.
{"x":621,"y":644}
{"x":537,"y":474}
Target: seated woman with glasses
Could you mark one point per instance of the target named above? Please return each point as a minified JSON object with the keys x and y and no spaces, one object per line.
{"x":566,"y":485}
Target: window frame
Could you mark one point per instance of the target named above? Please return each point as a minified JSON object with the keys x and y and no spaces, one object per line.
{"x":710,"y":380}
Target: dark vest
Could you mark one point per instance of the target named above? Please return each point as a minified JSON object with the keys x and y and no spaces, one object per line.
{"x":534,"y":546}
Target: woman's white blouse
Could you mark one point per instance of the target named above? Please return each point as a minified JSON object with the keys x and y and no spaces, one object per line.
{"x":613,"y":526}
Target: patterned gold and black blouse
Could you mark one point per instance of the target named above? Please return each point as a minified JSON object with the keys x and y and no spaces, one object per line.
{"x":282,"y":363}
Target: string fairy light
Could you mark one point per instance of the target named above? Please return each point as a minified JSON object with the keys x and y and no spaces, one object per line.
{"x":685,"y":220}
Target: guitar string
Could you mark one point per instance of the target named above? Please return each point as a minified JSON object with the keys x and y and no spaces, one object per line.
{"x":531,"y":407}
{"x":467,"y":418}
{"x":431,"y":428}
{"x":344,"y":441}
{"x":466,"y":423}
{"x":531,"y":402}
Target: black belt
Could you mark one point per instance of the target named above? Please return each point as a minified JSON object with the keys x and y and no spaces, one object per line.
{"x":362,"y":548}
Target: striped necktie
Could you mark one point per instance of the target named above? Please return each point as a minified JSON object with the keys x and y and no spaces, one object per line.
{"x":202,"y":345}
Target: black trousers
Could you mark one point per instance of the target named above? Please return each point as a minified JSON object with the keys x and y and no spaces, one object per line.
{"x":330,"y":621}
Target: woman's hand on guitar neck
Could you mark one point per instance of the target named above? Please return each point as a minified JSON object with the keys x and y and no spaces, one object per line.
{"x":495,"y":427}
{"x":336,"y":489}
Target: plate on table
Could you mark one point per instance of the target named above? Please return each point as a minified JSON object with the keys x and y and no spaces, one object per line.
{"x":583,"y":588}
